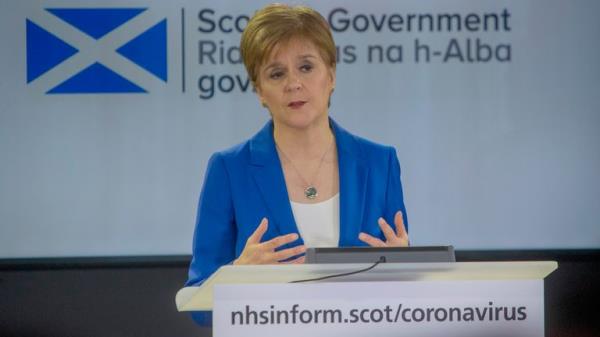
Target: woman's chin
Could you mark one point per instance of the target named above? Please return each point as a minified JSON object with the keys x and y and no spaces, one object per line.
{"x":298,"y":120}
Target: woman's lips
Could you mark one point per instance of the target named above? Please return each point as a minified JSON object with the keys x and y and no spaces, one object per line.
{"x":296,"y":104}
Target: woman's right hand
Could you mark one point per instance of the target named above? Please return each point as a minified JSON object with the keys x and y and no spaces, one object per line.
{"x":256,"y":252}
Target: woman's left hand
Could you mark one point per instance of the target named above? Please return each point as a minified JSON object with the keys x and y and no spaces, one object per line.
{"x":397,"y":238}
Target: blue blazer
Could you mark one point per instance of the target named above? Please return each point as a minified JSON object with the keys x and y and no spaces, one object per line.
{"x":246,"y":183}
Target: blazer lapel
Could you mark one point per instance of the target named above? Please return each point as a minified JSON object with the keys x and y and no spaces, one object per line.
{"x":353,"y":174}
{"x":268,"y":176}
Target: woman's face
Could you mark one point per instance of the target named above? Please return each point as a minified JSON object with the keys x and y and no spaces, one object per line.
{"x":295,"y":84}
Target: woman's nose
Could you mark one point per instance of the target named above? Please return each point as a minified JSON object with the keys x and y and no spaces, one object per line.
{"x":293,"y":82}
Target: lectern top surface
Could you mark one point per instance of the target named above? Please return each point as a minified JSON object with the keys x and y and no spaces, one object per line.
{"x":200,"y":298}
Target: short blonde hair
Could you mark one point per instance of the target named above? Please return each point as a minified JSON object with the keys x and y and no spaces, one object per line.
{"x":279,"y":23}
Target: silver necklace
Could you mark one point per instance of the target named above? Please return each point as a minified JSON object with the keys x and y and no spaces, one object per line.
{"x":310,"y":191}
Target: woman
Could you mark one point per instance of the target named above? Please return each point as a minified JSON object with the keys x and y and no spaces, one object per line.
{"x":302,"y":180}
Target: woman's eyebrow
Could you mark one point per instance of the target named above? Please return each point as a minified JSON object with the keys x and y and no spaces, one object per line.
{"x":272,"y":65}
{"x":306,"y":56}
{"x":275,"y":64}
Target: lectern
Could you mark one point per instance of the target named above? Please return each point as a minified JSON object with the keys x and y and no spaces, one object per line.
{"x":393,"y":299}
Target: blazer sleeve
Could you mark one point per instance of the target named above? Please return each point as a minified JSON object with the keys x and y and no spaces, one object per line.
{"x":394,"y":198}
{"x":215,"y":233}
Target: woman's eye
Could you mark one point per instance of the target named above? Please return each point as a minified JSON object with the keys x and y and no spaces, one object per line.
{"x":276,"y":75}
{"x":306,"y":67}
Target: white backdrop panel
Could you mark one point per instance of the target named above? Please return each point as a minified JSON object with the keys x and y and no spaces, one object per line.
{"x":495,"y":154}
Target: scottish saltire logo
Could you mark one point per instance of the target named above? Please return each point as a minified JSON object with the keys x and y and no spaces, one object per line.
{"x":96,"y":50}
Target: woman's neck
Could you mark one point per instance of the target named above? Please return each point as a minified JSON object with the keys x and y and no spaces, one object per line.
{"x":306,"y":144}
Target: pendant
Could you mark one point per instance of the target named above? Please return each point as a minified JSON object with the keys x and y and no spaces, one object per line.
{"x":310,"y":192}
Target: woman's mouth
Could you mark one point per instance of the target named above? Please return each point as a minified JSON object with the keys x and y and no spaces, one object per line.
{"x":296,"y":104}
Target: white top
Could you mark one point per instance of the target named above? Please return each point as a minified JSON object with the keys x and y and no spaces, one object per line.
{"x":318,"y":224}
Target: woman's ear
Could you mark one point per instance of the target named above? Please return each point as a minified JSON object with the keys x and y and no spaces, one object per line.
{"x":260,"y":96}
{"x":332,"y":76}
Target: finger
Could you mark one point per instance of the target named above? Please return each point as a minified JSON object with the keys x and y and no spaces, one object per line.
{"x":259,"y":232}
{"x":370,"y":240}
{"x":387,"y":230}
{"x":280,"y":241}
{"x":299,"y":260}
{"x":289,"y":252}
{"x":399,"y":222}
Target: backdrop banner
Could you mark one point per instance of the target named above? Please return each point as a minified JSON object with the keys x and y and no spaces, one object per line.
{"x":109,"y":112}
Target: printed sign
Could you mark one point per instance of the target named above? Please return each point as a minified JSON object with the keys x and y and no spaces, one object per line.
{"x":426,"y":308}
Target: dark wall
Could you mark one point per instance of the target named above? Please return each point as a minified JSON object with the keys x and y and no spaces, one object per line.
{"x":135,"y":297}
{"x":79,"y":299}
